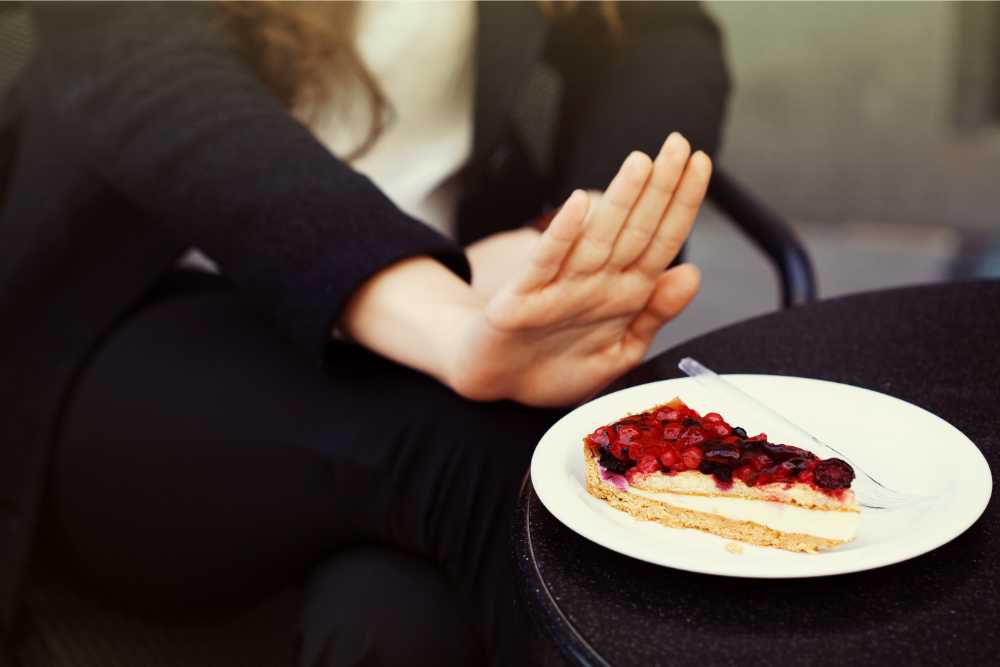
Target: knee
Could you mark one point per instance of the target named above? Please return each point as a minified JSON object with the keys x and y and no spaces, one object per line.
{"x":374,"y":606}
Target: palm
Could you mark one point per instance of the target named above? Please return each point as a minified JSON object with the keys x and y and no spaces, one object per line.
{"x":595,"y":294}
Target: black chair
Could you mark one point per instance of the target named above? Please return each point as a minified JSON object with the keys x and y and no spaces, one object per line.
{"x":67,"y":627}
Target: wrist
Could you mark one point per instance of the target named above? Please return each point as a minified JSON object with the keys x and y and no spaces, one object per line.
{"x":414,"y":312}
{"x":450,"y":349}
{"x":480,"y":365}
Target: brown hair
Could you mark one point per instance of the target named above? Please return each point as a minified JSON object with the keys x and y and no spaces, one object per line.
{"x":301,"y":50}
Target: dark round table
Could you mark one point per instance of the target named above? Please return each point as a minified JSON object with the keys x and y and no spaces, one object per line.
{"x":935,"y":346}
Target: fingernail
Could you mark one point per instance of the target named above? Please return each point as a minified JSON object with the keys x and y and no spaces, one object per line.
{"x":580,"y":197}
{"x":636,"y":161}
{"x":673,"y":140}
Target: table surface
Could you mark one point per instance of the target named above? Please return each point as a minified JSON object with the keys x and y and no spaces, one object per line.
{"x":937,"y":347}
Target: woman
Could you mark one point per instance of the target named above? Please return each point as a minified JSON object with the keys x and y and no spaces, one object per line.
{"x":205,"y":441}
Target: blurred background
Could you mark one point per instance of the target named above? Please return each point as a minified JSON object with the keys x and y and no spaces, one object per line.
{"x":873,"y":128}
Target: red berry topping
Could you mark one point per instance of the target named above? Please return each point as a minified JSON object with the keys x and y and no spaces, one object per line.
{"x":761,"y":461}
{"x":600,"y":437}
{"x":669,"y":458}
{"x":722,"y":453}
{"x":627,"y":433}
{"x":719,"y":430}
{"x":795,"y":466}
{"x":674,"y":439}
{"x":785,"y":452}
{"x":746,"y":474}
{"x":619,"y":451}
{"x":648,"y":464}
{"x":668,"y":415}
{"x":833,"y":474}
{"x":723,"y":475}
{"x":692,"y":436}
{"x":692,"y":457}
{"x":672,"y":431}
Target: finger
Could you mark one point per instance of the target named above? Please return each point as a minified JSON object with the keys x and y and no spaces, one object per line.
{"x":593,"y":249}
{"x":679,"y":217}
{"x":554,"y":245}
{"x":648,"y":211}
{"x":673,"y":292}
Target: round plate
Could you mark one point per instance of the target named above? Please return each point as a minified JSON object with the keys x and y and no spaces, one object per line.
{"x":901,"y":445}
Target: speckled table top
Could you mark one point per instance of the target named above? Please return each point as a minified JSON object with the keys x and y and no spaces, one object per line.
{"x":937,"y":347}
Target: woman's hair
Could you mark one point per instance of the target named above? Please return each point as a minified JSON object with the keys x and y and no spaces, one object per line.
{"x":303,"y":50}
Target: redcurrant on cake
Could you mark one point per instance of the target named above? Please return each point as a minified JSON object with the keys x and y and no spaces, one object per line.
{"x":683,"y":470}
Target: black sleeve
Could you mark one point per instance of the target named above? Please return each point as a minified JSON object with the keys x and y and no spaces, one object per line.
{"x":153,"y":97}
{"x":668,"y":73}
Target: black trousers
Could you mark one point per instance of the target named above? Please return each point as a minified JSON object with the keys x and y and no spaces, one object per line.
{"x":203,"y":464}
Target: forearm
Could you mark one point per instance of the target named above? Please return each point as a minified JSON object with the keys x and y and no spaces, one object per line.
{"x":414,"y":312}
{"x":152,"y":98}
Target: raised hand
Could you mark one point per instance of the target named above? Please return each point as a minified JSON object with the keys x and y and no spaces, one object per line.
{"x":494,"y":258}
{"x":595,"y":293}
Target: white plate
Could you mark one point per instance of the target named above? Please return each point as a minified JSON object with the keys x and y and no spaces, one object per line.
{"x":905,"y":447}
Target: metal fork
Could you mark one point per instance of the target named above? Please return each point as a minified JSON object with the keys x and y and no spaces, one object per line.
{"x":870,"y":492}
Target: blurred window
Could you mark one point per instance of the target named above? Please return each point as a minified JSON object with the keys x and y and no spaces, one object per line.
{"x":977,"y":65}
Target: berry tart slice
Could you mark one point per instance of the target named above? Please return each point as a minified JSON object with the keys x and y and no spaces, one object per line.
{"x":671,"y":465}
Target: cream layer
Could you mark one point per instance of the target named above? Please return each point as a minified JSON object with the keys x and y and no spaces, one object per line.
{"x":783,"y":517}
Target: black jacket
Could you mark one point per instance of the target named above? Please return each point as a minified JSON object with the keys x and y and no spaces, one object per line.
{"x":139,"y":133}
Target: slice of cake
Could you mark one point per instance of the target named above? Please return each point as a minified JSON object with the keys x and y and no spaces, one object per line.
{"x":671,"y":465}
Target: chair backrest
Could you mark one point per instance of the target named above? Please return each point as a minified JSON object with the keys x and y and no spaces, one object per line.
{"x":535,"y":114}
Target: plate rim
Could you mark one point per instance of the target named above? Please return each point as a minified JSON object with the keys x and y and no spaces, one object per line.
{"x":688,"y":564}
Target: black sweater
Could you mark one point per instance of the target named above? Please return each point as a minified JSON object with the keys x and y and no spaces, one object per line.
{"x":140,"y":133}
